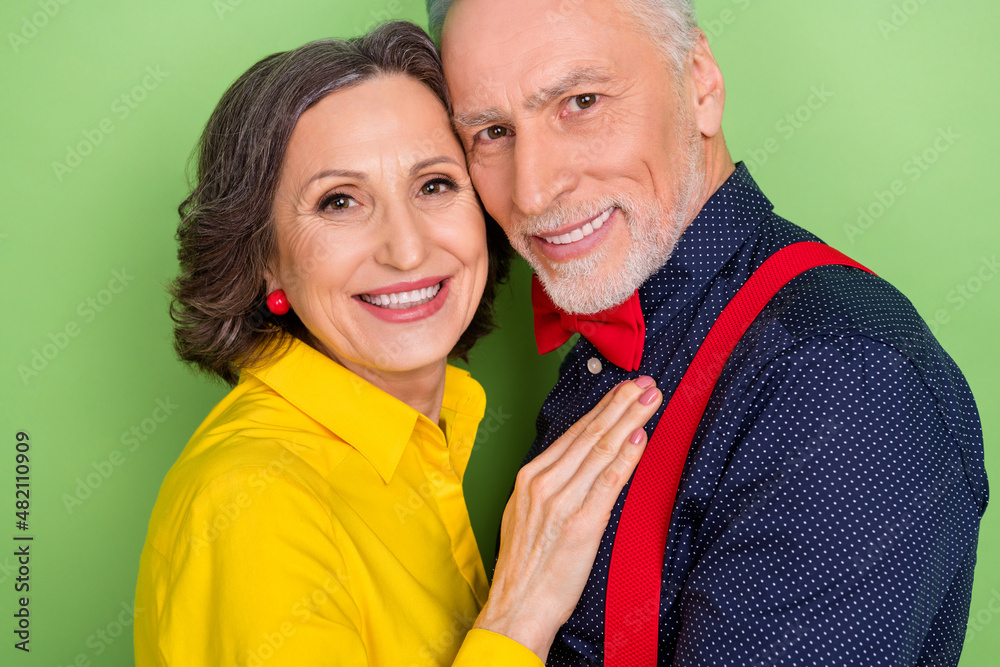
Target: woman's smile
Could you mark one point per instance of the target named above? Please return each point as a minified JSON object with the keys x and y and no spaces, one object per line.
{"x":406,"y":302}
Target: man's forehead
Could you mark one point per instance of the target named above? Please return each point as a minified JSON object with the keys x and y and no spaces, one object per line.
{"x":528,"y":59}
{"x":477,"y":24}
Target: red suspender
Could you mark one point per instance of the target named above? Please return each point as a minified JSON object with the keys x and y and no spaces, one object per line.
{"x":631,"y":616}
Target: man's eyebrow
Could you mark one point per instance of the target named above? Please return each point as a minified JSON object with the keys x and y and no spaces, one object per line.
{"x":579,"y":76}
{"x":491,"y":116}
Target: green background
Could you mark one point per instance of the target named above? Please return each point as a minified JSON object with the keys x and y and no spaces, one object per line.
{"x":893,"y":75}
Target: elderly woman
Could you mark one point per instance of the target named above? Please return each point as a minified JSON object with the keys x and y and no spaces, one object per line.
{"x":316,"y":517}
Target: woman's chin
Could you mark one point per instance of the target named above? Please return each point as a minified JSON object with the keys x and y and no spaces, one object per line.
{"x":398,"y":351}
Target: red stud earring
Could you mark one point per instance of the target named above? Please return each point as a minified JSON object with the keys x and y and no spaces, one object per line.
{"x":277,"y":302}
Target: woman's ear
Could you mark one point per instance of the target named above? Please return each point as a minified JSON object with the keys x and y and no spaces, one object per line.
{"x":271,"y":280}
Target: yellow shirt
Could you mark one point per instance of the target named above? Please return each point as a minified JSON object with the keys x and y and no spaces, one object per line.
{"x":314,"y":519}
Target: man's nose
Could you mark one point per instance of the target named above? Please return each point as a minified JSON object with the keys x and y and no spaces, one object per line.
{"x":544,"y":170}
{"x":402,"y":243}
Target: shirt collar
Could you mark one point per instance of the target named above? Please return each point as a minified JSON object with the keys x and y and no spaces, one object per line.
{"x":719,"y":230}
{"x":375,"y":423}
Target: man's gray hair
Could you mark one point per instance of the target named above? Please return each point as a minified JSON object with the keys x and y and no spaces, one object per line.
{"x":671,"y":24}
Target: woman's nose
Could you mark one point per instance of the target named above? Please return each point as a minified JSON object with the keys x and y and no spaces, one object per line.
{"x":402,"y":244}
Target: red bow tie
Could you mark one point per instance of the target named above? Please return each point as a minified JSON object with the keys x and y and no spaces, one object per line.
{"x":618,"y":333}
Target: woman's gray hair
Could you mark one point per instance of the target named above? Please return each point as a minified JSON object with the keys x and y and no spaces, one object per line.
{"x":226,"y":234}
{"x":671,"y":24}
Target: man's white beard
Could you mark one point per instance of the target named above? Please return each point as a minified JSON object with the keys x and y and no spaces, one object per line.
{"x":653,"y":227}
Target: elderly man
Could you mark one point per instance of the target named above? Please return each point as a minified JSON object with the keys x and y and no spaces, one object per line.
{"x":829,"y":498}
{"x":826,"y":502}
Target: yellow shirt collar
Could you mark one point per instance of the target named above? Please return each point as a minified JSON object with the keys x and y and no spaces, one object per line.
{"x":377,"y":424}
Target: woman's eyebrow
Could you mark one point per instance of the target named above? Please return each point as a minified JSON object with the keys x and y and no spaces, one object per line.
{"x":363,"y":177}
{"x":431,"y":161}
{"x":340,"y":173}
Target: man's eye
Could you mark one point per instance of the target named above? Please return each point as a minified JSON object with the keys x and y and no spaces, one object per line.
{"x":581,"y":102}
{"x":492,"y":133}
{"x":338,"y":202}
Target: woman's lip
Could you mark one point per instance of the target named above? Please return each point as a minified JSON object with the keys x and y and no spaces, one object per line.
{"x":575,"y":225}
{"x":403,"y":315}
{"x":406,"y":287}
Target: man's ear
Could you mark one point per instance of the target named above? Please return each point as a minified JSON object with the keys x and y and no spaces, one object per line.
{"x":707,"y":88}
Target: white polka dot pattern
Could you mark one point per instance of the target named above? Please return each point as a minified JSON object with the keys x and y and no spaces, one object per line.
{"x":829,"y":509}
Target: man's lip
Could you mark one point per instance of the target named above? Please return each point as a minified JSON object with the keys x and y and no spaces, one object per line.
{"x":569,"y":251}
{"x":573,"y":225}
{"x":406,"y":287}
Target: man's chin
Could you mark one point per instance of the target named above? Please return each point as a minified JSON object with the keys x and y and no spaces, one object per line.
{"x":584,"y":293}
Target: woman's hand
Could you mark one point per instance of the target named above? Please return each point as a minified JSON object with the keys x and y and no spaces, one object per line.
{"x":554,"y":521}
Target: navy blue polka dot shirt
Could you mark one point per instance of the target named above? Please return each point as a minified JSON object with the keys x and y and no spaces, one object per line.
{"x":829,"y":509}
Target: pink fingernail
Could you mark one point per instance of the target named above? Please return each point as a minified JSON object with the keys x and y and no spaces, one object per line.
{"x":648,"y":397}
{"x":645,"y":381}
{"x":637,"y":436}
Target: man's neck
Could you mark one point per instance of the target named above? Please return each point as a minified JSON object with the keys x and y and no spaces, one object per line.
{"x":719,"y":166}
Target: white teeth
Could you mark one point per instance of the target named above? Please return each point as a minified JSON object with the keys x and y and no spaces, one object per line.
{"x":581,"y":232}
{"x":601,"y":219}
{"x":402,"y":300}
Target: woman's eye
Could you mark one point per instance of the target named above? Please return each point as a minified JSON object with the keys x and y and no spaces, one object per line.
{"x":581,"y":102}
{"x":437,"y":186}
{"x":492,"y":133}
{"x":338,"y":202}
